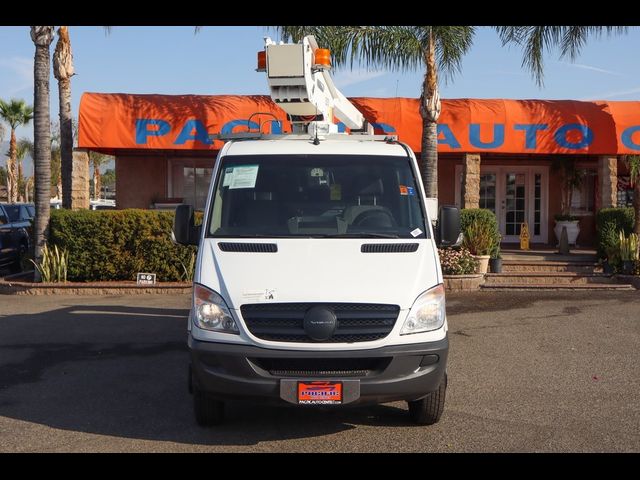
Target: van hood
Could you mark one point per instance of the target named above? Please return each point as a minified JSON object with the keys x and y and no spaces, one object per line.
{"x":318,"y":270}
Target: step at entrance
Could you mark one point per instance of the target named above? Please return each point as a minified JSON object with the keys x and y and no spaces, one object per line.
{"x":547,"y":270}
{"x":546,"y":278}
{"x":509,"y":266}
{"x":548,"y":286}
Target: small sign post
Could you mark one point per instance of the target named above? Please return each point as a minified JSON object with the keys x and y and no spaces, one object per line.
{"x":524,"y":236}
{"x":146,"y":279}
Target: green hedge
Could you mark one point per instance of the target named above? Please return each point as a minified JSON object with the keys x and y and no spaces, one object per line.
{"x":609,"y":221}
{"x":469,"y":215}
{"x":117,"y":244}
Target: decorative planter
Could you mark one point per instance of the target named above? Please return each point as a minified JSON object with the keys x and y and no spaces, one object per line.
{"x":483,"y":263}
{"x":627,"y":267}
{"x":463,"y":283}
{"x":495,"y":265}
{"x":573,"y":230}
{"x":607,"y":268}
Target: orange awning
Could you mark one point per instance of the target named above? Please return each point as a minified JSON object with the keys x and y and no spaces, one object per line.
{"x":112,"y":122}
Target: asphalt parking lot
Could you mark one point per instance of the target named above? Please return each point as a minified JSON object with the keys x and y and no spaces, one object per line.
{"x":528,"y":372}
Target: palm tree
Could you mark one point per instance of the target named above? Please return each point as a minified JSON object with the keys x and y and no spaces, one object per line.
{"x":63,"y":71}
{"x":535,"y":40}
{"x":56,"y":159}
{"x":15,"y":113}
{"x":24,"y":147}
{"x":97,"y":160}
{"x":401,"y":48}
{"x":42,"y":37}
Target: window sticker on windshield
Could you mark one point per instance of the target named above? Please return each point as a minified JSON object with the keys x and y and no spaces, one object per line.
{"x":416,"y":232}
{"x":411,"y":191}
{"x":336,"y":192}
{"x":228,"y":176}
{"x":244,"y":177}
{"x":404,"y":190}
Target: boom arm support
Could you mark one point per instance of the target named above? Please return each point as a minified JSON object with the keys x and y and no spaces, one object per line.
{"x":303,"y":89}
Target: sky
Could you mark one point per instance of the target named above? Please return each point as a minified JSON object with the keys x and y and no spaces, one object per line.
{"x":222,"y":60}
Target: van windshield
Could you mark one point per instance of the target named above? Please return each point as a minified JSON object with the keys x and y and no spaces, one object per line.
{"x":316,"y":196}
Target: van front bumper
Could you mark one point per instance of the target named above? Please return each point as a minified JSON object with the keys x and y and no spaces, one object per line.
{"x":399,"y":372}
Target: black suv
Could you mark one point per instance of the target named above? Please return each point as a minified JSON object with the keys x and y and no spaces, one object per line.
{"x":15,"y":229}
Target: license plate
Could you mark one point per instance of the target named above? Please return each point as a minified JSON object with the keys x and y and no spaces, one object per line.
{"x":319,"y":393}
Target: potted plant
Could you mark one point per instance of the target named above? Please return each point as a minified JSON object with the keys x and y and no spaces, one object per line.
{"x":570,"y":178}
{"x":495,"y":262}
{"x":479,"y":240}
{"x":628,"y":248}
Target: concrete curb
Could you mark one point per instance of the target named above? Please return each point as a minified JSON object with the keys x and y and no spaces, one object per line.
{"x":463,"y":283}
{"x":97,"y":288}
{"x":633,"y":280}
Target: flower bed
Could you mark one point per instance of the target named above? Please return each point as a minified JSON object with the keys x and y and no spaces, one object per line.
{"x":457,"y":261}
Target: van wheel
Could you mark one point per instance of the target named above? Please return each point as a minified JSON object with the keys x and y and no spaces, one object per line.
{"x":17,"y":266}
{"x":208,"y":411}
{"x":428,"y":410}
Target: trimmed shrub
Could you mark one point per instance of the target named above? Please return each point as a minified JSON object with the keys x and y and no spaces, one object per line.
{"x":457,"y":261}
{"x":117,"y":244}
{"x":484,"y":217}
{"x":609,"y":222}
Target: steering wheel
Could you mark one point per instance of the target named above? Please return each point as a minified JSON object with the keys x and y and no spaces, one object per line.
{"x":375,"y":218}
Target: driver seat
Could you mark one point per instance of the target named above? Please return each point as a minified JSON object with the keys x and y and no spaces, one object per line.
{"x":367,"y":213}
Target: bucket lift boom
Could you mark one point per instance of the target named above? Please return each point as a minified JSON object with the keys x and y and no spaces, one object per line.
{"x":300,"y":84}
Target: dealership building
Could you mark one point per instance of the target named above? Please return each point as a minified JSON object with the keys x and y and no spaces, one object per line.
{"x":494,"y":154}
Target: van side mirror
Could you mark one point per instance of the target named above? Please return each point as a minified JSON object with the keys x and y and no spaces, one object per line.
{"x":448,"y":234}
{"x":184,"y":229}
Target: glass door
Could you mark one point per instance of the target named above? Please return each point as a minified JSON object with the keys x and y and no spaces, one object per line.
{"x":514,"y":205}
{"x":516,"y":194}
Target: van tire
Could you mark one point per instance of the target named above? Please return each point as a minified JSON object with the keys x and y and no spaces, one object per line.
{"x":428,"y":410}
{"x":208,"y":411}
{"x":16,"y":267}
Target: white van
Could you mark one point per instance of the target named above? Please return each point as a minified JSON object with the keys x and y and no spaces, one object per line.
{"x":317,"y":279}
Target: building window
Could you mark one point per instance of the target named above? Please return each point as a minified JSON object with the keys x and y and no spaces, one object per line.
{"x":625,"y":191}
{"x":195,"y":186}
{"x":488,"y":191}
{"x":583,"y":200}
{"x":189,"y":181}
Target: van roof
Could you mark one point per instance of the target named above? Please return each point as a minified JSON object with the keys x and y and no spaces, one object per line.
{"x":304,"y":145}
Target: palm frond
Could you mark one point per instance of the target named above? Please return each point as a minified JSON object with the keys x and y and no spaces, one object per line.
{"x":394,"y":47}
{"x":537,"y":40}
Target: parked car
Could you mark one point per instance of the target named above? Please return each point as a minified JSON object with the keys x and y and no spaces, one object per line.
{"x":15,"y":234}
{"x":102,"y":205}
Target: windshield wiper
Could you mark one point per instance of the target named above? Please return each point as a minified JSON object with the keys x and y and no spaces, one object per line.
{"x":360,"y":235}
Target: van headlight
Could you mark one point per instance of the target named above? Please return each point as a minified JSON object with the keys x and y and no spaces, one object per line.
{"x":210,"y":312}
{"x":427,"y":312}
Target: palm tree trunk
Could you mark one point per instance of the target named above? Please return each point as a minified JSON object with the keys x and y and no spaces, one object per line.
{"x":97,"y":184}
{"x":430,"y":111}
{"x":42,"y":38}
{"x":12,"y":184}
{"x":63,"y":71}
{"x":20,"y":181}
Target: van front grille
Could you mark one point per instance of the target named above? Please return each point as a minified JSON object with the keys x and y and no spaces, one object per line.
{"x":284,"y":322}
{"x":322,"y":367}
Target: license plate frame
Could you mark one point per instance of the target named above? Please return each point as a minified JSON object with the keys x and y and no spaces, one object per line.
{"x":320,"y":392}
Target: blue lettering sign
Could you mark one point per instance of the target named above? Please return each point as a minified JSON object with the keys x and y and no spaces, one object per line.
{"x":531,"y":130}
{"x":229,"y":126}
{"x":627,"y":137}
{"x":498,"y":136}
{"x":385,"y":127}
{"x":585,"y":131}
{"x":448,"y":138}
{"x":187,"y":133}
{"x":142,"y":130}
